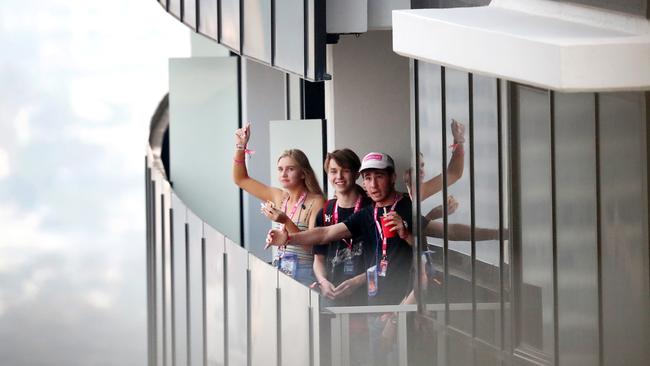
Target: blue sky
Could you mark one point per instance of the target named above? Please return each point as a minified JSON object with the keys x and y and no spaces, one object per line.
{"x":80,"y":80}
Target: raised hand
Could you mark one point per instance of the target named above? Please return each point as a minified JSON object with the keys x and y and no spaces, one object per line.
{"x":242,"y":135}
{"x":458,"y":131}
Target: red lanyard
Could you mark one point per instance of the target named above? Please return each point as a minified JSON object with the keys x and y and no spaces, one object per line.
{"x":301,"y":200}
{"x":384,"y":241}
{"x":357,"y":206}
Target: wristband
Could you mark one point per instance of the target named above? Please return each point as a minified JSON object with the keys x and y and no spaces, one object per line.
{"x":238,"y":162}
{"x":288,"y":238}
{"x":240,"y":147}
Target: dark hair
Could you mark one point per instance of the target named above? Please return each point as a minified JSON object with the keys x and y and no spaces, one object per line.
{"x":310,"y":178}
{"x":346,"y":158}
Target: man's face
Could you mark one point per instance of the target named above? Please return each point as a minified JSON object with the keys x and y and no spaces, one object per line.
{"x":378,"y":183}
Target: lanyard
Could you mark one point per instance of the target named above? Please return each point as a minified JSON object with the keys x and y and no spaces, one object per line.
{"x":357,"y":206}
{"x":300,"y":201}
{"x":384,"y":241}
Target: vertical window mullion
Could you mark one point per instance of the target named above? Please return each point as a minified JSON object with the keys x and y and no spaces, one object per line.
{"x":551,"y":100}
{"x":470,"y":84}
{"x":420,"y":240}
{"x":445,"y":231}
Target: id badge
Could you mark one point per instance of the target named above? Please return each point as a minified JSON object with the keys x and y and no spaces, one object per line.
{"x":348,"y":267}
{"x":289,"y":264}
{"x":276,"y":259}
{"x":373,"y":281}
{"x":383,"y":267}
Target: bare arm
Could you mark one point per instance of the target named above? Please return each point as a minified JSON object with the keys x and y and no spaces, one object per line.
{"x":326,"y":287}
{"x":240,"y":173}
{"x":460,"y":232}
{"x":316,"y":236}
{"x":455,"y":167}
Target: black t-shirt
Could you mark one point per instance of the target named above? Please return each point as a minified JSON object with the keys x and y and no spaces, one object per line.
{"x":344,"y":258}
{"x":397,"y":283}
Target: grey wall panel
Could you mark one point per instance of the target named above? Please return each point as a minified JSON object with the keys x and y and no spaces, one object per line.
{"x":486,"y":207}
{"x":457,"y":103}
{"x":159,"y":271}
{"x":214,"y":274}
{"x":195,"y":288}
{"x":289,"y":35}
{"x":263,"y":312}
{"x":229,"y":33}
{"x":167,"y":273}
{"x":369,"y":91}
{"x":257,"y":30}
{"x":204,"y":112}
{"x":237,"y":304}
{"x":294,"y":327}
{"x":209,"y":18}
{"x":314,"y":298}
{"x":576,"y":217}
{"x":263,"y":100}
{"x":189,"y":13}
{"x":624,"y":219}
{"x":174,"y":8}
{"x":536,"y":300}
{"x":179,"y":281}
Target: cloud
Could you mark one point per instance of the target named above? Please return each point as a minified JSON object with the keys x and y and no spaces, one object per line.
{"x":5,"y":170}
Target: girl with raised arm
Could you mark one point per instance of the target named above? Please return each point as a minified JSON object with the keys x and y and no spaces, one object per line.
{"x":294,"y":206}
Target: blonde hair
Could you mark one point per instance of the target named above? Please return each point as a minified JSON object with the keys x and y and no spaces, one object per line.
{"x":303,"y":162}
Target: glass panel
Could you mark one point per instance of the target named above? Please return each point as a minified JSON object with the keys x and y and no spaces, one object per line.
{"x":237,"y":288}
{"x":430,"y":112}
{"x":174,"y":8}
{"x":460,"y":351}
{"x":535,"y":288}
{"x":257,"y":30}
{"x":263,"y":312}
{"x":577,"y":251}
{"x":624,"y":219}
{"x":179,"y":215}
{"x":213,"y":264}
{"x":195,"y":288}
{"x":486,"y":209}
{"x":459,"y":289}
{"x":290,"y":36}
{"x":306,"y":135}
{"x":229,"y":32}
{"x":189,"y":13}
{"x":167,"y":273}
{"x":209,"y":18}
{"x":294,"y":315}
{"x":203,"y":99}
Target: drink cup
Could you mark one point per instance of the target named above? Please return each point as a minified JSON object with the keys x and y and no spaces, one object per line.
{"x":385,"y":227}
